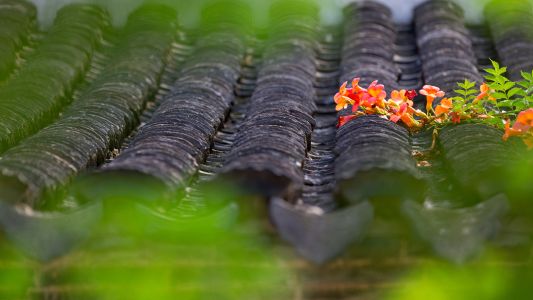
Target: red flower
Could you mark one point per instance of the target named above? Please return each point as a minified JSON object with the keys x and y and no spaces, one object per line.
{"x":456,"y":117}
{"x":411,"y":94}
{"x":344,"y":119}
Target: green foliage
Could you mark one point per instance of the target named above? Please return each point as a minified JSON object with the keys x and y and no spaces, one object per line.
{"x":483,"y":280}
{"x":525,"y":91}
{"x":510,"y":96}
{"x":466,"y":94}
{"x":497,"y":103}
{"x":503,"y":100}
{"x":467,"y":91}
{"x":503,"y":88}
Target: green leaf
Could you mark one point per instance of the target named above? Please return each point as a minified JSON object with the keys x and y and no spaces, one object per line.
{"x":499,"y":95}
{"x":526,"y":76}
{"x":508,"y":85}
{"x":505,"y":103}
{"x":458,"y":102}
{"x":502,"y":70}
{"x":469,"y":84}
{"x":520,"y":105}
{"x":492,"y":72}
{"x":470,"y":92}
{"x":494,"y":121}
{"x":490,"y":78}
{"x":524,"y":84}
{"x":500,"y":80}
{"x":496,"y":86}
{"x":515,"y":91}
{"x":495,"y":64}
{"x":458,"y":99}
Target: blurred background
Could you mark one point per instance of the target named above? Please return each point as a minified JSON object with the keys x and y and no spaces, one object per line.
{"x":204,"y":260}
{"x":188,"y":10}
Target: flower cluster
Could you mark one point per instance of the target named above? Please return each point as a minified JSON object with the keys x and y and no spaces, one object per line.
{"x":495,"y":103}
{"x":372,"y":100}
{"x":398,"y":107}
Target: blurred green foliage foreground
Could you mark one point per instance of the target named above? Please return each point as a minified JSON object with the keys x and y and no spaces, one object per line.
{"x":126,"y":260}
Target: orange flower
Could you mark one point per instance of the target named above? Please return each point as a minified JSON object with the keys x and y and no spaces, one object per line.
{"x":342,"y":102}
{"x":404,"y":113}
{"x":397,"y":112}
{"x":410,"y":121}
{"x":400,"y":97}
{"x":345,"y":119}
{"x":431,"y":92}
{"x":525,"y":118}
{"x":522,"y":127}
{"x":510,"y":131}
{"x":485,"y":91}
{"x":341,"y":98}
{"x":444,"y":107}
{"x":349,"y":96}
{"x":374,"y":95}
{"x":356,"y":87}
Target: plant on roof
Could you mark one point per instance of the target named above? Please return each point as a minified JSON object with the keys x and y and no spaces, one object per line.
{"x":498,"y":102}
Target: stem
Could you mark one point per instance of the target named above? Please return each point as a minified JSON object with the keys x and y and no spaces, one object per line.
{"x":503,"y":114}
{"x":434,"y":141}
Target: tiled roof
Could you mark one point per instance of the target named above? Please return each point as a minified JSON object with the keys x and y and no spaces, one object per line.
{"x":183,"y":124}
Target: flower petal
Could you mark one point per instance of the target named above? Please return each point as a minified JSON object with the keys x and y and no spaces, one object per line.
{"x":345,"y":119}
